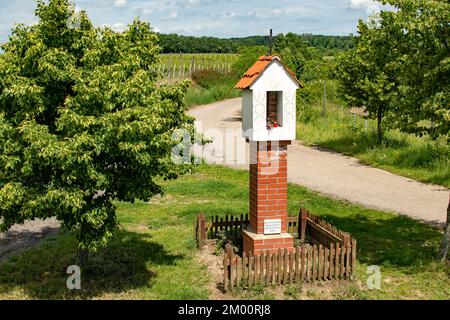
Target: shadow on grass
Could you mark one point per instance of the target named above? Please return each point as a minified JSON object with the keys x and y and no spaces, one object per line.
{"x":122,"y":266}
{"x":398,"y":241}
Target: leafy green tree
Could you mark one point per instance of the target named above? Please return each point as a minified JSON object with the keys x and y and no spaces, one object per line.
{"x":367,"y":73}
{"x":294,"y":60}
{"x":422,"y":48}
{"x":303,"y":60}
{"x":247,"y":57}
{"x":296,"y":44}
{"x":83,"y":122}
{"x":400,"y":67}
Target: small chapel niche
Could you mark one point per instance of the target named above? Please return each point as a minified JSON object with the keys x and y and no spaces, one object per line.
{"x":274,"y":109}
{"x":269,"y":101}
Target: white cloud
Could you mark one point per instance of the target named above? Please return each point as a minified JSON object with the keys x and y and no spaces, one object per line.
{"x":374,"y":9}
{"x":359,"y":4}
{"x":120,"y":3}
{"x":371,"y":6}
{"x":187,"y":29}
{"x":276,"y":12}
{"x":263,"y":14}
{"x":118,"y":26}
{"x":174,"y":15}
{"x":193,"y":2}
{"x":260,"y":14}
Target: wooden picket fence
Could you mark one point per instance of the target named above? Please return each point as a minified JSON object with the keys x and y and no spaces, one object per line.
{"x":303,"y":264}
{"x":318,"y":231}
{"x":324,"y":253}
{"x":305,"y":226}
{"x":208,"y":231}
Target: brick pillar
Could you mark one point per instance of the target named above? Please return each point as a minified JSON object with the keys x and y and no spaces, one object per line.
{"x":268,"y":196}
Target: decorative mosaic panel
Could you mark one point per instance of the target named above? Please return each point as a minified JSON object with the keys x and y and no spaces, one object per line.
{"x":289,"y":108}
{"x":259,"y":105}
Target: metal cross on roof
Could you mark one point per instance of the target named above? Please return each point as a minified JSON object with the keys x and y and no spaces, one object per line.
{"x":270,"y":43}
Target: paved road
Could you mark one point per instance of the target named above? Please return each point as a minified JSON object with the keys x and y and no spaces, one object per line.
{"x":328,"y":172}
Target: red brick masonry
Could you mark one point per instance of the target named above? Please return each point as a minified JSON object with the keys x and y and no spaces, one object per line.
{"x":259,"y":243}
{"x":268,"y":195}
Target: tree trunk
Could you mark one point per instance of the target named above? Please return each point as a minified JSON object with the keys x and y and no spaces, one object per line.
{"x":445,"y":244}
{"x":82,"y":257}
{"x":379,"y":127}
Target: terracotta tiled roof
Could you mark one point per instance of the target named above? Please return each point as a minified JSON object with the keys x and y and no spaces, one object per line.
{"x":257,"y":69}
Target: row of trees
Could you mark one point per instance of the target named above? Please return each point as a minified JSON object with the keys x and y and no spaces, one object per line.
{"x":174,"y":43}
{"x":399,"y":69}
{"x":305,"y":61}
{"x":329,"y":42}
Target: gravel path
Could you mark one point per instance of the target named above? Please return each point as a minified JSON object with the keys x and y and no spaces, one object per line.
{"x":332,"y":173}
{"x":23,"y":236}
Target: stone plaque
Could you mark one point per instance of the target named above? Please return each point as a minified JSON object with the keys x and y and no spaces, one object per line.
{"x":272,"y":226}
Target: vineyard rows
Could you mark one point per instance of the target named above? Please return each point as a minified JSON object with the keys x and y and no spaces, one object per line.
{"x":183,"y":65}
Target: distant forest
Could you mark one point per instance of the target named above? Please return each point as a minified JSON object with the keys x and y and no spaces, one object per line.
{"x":174,"y":43}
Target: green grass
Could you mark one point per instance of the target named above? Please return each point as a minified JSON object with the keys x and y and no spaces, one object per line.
{"x":210,"y":86}
{"x":154,"y":257}
{"x":197,"y":95}
{"x":418,"y":158}
{"x":214,"y":85}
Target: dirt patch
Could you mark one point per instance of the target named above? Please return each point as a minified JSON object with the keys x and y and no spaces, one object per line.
{"x":215,"y":270}
{"x":26,"y":235}
{"x":319,"y":290}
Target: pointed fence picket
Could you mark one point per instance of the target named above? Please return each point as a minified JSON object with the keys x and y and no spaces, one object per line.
{"x":302,"y":264}
{"x":325,"y":252}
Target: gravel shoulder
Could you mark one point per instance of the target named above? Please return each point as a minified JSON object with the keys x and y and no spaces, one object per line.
{"x":24,"y":236}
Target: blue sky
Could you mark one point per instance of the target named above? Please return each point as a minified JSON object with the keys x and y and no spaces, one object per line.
{"x":221,"y":18}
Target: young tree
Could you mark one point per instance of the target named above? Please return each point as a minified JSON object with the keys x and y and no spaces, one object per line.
{"x":83,"y":122}
{"x":303,"y":60}
{"x":247,"y":57}
{"x":423,"y":66}
{"x":400,"y":67}
{"x":368,"y":73}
